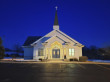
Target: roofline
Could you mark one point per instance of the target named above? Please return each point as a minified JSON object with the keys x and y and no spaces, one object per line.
{"x":26,"y":46}
{"x":40,"y":39}
{"x":60,"y":33}
{"x":56,"y":37}
{"x":68,"y":37}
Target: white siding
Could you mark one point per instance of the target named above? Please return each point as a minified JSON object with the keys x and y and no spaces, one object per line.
{"x":28,"y":53}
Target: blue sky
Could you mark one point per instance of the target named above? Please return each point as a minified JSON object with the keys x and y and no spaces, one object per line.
{"x":87,"y":21}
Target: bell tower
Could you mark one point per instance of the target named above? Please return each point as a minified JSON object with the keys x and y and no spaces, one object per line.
{"x":56,"y":25}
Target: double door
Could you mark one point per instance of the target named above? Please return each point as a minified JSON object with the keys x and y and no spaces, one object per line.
{"x":56,"y":53}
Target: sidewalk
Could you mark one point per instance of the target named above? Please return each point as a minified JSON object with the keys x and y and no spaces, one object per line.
{"x":41,"y":62}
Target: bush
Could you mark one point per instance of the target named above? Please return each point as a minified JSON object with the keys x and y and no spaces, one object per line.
{"x":71,"y":59}
{"x":2,"y":50}
{"x":75,"y":59}
{"x":7,"y":55}
{"x":83,"y":58}
{"x":40,"y":59}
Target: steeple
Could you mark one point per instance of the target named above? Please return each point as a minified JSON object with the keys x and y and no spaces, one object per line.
{"x":56,"y":25}
{"x":56,"y":17}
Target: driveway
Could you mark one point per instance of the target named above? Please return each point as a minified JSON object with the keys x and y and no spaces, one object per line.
{"x":52,"y":72}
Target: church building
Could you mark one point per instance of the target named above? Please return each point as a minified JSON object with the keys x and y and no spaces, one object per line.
{"x":54,"y":45}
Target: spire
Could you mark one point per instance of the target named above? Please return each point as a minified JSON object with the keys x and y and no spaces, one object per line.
{"x":56,"y":17}
{"x":56,"y":25}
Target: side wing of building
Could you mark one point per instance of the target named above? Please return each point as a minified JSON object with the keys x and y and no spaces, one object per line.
{"x":28,"y":49}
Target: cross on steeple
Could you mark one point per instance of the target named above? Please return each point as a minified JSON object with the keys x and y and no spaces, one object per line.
{"x":56,"y":7}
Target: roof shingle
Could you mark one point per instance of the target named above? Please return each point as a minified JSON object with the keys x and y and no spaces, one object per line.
{"x":30,"y":40}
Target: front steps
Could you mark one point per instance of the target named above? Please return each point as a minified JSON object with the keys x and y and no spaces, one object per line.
{"x":55,"y":60}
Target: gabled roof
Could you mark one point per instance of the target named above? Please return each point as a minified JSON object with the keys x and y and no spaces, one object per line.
{"x":68,"y":37}
{"x":56,"y":37}
{"x":60,"y":32}
{"x":73,"y":40}
{"x":41,"y":38}
{"x":30,"y":40}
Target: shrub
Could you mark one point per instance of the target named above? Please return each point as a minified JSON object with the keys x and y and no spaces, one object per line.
{"x":40,"y":59}
{"x":71,"y":59}
{"x":2,"y":50}
{"x":83,"y":58}
{"x":75,"y":59}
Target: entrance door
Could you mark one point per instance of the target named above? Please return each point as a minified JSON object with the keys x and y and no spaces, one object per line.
{"x":56,"y":53}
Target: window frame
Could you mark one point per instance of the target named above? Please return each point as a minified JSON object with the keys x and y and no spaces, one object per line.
{"x":40,"y":52}
{"x":71,"y":51}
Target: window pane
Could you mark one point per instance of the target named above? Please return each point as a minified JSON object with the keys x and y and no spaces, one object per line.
{"x":40,"y":52}
{"x":72,"y":52}
{"x":69,"y":52}
{"x":54,"y":52}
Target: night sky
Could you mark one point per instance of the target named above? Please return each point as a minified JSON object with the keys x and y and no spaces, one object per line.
{"x":87,"y":21}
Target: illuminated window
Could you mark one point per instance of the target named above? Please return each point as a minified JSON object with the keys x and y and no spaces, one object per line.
{"x":54,"y":52}
{"x":58,"y":52}
{"x":71,"y":52}
{"x":40,"y":52}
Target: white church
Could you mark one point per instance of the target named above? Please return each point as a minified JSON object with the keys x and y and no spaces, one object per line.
{"x":54,"y":45}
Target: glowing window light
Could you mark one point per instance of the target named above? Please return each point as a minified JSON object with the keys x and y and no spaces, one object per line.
{"x":71,"y":52}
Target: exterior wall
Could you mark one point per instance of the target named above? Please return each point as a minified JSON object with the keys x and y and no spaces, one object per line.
{"x":77,"y":52}
{"x":28,"y":52}
{"x":64,"y":49}
{"x":35,"y":52}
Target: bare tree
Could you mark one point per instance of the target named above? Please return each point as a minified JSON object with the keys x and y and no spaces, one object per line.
{"x":18,"y":49}
{"x":2,"y":50}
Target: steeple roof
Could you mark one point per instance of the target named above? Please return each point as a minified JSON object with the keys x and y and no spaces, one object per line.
{"x":56,"y":18}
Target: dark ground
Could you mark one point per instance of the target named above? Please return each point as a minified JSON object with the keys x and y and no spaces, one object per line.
{"x":34,"y":72}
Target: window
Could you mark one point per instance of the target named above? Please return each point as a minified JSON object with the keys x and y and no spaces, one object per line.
{"x":40,"y":52}
{"x":71,"y":52}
